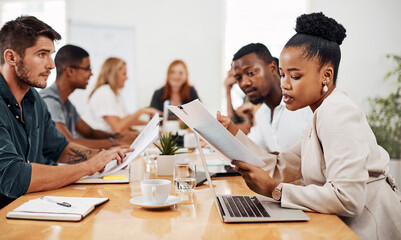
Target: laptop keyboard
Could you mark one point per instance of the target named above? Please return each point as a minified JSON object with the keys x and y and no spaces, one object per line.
{"x":244,"y":206}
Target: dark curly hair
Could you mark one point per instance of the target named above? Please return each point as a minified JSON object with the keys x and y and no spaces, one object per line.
{"x":22,"y":33}
{"x":259,"y":49}
{"x":67,"y":56}
{"x":320,"y":37}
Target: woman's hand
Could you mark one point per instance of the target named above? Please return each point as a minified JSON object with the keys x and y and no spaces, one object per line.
{"x":150,"y":111}
{"x":256,"y":178}
{"x":227,"y":123}
{"x":100,"y":160}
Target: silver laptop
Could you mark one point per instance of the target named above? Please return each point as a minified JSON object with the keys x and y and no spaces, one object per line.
{"x":249,"y":208}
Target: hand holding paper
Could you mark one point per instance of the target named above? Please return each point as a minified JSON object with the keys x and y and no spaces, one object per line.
{"x":144,"y":139}
{"x":195,"y":115}
{"x":227,"y":123}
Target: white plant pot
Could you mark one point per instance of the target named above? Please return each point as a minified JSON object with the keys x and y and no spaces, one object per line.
{"x":165,"y":165}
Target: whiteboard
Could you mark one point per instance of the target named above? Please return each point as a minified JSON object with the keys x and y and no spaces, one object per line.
{"x":102,"y":42}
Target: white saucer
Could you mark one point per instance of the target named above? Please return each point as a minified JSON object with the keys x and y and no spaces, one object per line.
{"x":139,"y":201}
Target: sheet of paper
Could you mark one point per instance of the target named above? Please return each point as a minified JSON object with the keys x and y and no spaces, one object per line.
{"x":196,"y":116}
{"x":149,"y":134}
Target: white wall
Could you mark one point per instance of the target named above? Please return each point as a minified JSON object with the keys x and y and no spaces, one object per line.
{"x":191,"y":30}
{"x":194,"y":31}
{"x":373,"y":31}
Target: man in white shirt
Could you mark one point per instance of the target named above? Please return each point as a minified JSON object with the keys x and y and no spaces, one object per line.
{"x":276,"y":128}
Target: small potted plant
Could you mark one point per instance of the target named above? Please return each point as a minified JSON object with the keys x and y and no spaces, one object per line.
{"x":168,"y":148}
{"x":385,"y":119}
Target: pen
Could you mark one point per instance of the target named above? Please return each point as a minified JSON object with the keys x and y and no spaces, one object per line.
{"x":64,"y":204}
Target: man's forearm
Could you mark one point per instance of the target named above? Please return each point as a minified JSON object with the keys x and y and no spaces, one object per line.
{"x":75,"y":153}
{"x":46,"y":177}
{"x":98,"y":134}
{"x":93,"y":143}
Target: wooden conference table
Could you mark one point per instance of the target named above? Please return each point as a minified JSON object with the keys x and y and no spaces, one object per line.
{"x":119,"y":219}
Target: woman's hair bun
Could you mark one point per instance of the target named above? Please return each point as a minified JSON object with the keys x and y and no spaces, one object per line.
{"x":317,"y":24}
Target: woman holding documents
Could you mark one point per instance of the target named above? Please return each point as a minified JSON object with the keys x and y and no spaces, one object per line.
{"x":107,"y":110}
{"x":344,"y":170}
{"x":177,"y":89}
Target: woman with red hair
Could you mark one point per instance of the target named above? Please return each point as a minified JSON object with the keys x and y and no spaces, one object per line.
{"x":177,"y":89}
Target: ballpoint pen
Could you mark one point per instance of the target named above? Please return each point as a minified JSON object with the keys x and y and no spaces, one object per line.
{"x":64,"y":204}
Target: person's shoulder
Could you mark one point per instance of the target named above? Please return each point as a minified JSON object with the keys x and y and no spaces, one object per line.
{"x":192,"y":89}
{"x":338,"y":101}
{"x":193,"y":94}
{"x":39,"y":101}
{"x":159,"y":92}
{"x":104,"y":89}
{"x":49,"y":92}
{"x":338,"y":108}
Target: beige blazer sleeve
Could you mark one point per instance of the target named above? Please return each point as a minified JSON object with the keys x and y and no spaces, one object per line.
{"x":285,"y":167}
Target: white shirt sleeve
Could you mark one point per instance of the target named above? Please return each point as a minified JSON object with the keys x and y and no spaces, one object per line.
{"x":105,"y":102}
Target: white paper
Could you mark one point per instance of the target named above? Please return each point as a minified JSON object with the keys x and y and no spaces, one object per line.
{"x":149,"y":134}
{"x":196,"y":116}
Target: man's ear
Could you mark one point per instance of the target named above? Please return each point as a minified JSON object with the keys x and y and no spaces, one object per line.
{"x":69,"y":71}
{"x":273,"y":67}
{"x":11,"y":57}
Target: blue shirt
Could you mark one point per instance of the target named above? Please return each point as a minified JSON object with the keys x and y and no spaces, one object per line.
{"x":34,"y":139}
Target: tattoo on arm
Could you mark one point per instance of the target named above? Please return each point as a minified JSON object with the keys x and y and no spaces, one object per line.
{"x":78,"y":155}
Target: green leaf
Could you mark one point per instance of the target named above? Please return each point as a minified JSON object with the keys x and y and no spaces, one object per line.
{"x":168,"y":144}
{"x":385,"y":115}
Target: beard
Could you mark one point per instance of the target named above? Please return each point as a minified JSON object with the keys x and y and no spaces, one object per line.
{"x":24,"y":77}
{"x":258,"y":100}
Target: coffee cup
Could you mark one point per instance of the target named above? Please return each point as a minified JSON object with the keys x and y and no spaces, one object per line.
{"x":155,"y":191}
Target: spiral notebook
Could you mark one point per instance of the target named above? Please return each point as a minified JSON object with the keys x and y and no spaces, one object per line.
{"x":56,"y":208}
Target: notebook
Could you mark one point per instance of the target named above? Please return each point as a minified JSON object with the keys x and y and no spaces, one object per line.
{"x":56,"y":208}
{"x":249,"y":208}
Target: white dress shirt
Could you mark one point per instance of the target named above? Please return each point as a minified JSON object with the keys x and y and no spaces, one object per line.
{"x":283,"y":131}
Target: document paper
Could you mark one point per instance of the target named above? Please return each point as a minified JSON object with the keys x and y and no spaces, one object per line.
{"x":196,"y":116}
{"x":149,"y":134}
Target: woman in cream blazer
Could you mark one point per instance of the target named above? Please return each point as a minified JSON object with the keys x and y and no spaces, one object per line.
{"x":344,"y":170}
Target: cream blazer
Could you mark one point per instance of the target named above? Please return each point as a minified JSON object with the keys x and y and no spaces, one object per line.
{"x":343,"y":168}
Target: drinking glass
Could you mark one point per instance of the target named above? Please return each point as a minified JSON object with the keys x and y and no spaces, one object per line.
{"x":184,"y":176}
{"x":150,"y":158}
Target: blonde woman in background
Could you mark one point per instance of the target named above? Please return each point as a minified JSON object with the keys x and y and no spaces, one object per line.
{"x":107,"y":110}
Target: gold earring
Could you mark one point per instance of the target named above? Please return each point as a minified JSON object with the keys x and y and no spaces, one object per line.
{"x":325,"y":88}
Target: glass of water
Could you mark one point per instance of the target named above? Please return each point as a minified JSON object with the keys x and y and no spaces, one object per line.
{"x":184,"y":176}
{"x":150,"y":158}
